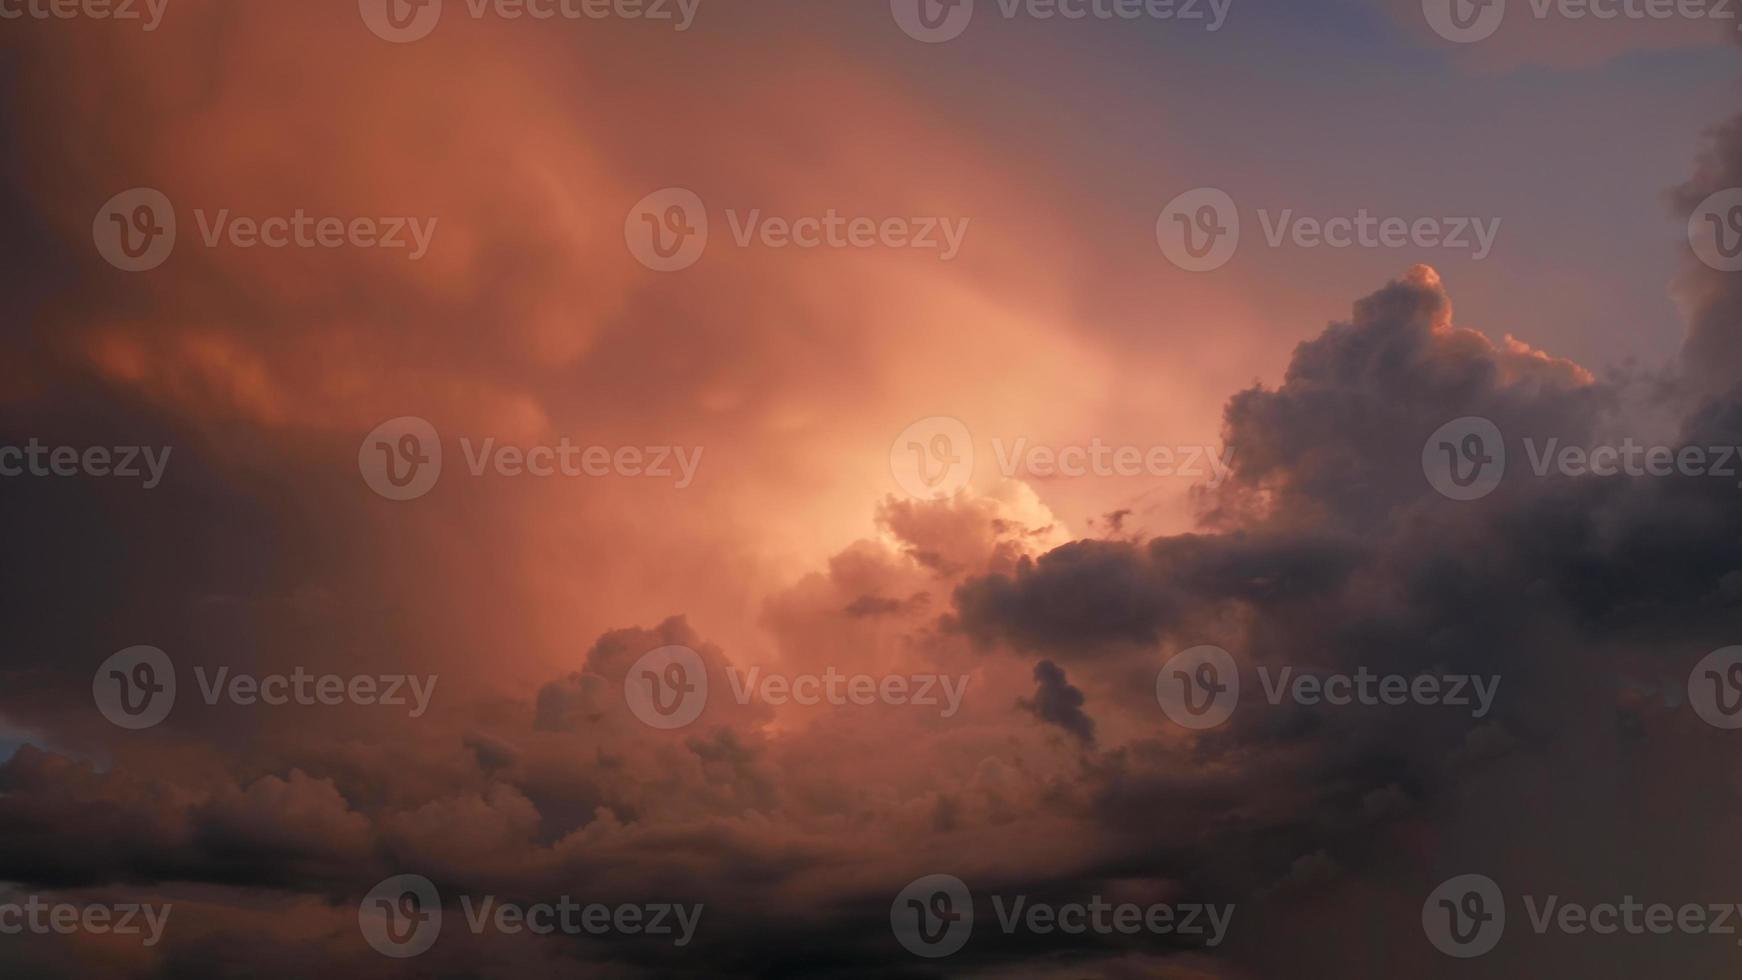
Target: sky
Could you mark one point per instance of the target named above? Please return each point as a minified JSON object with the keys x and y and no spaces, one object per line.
{"x":827,"y":475}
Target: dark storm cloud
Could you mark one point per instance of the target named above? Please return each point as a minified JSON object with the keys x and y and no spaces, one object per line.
{"x":1056,"y":702}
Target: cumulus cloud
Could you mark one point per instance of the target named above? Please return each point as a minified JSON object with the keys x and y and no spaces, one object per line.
{"x":1057,"y":775}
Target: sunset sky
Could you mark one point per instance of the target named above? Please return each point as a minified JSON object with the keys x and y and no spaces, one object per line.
{"x":819,"y":462}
